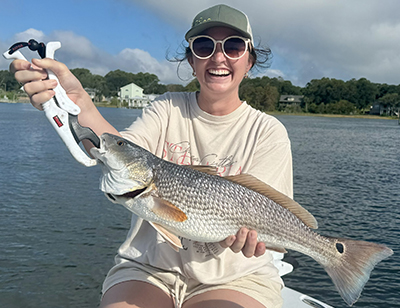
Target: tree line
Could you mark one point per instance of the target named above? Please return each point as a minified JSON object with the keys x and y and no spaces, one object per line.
{"x":325,"y":95}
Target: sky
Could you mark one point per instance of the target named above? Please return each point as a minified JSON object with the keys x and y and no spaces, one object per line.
{"x":309,"y":39}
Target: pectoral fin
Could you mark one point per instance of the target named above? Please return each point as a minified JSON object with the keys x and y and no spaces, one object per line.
{"x":166,"y":210}
{"x":170,"y":238}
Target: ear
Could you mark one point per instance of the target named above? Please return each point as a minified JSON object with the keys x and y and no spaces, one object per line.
{"x":190,"y":60}
{"x":250,"y":63}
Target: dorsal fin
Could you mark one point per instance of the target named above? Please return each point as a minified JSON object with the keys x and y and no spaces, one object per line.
{"x":255,"y":184}
{"x":203,"y":168}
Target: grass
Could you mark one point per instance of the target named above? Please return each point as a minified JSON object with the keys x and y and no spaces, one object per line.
{"x":361,"y":116}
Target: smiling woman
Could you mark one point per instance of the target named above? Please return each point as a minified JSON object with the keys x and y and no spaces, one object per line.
{"x":210,"y":127}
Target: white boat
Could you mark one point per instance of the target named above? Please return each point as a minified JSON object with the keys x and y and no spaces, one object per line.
{"x":292,"y":298}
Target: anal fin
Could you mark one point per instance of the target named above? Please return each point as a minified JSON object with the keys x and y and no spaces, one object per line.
{"x":170,"y":238}
{"x":277,"y":249}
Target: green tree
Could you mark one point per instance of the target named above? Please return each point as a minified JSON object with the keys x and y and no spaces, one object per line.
{"x":148,"y":82}
{"x":90,"y":81}
{"x":84,"y":76}
{"x":363,"y":92}
{"x":264,"y":98}
{"x":8,"y":82}
{"x":341,"y":107}
{"x":284,"y":87}
{"x":325,"y":90}
{"x":193,"y":86}
{"x":384,"y":89}
{"x":392,"y":100}
{"x":175,"y":88}
{"x":117,"y":79}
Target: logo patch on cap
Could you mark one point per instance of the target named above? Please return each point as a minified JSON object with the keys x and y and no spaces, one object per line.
{"x":201,"y":20}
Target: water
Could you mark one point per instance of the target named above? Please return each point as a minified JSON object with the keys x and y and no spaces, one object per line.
{"x":59,"y":234}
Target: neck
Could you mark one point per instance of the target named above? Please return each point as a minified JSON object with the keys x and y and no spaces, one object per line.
{"x":218,"y":106}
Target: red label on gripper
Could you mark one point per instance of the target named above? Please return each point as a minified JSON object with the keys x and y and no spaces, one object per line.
{"x":58,"y":121}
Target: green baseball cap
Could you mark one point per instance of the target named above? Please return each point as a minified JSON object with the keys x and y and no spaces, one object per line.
{"x":223,"y":16}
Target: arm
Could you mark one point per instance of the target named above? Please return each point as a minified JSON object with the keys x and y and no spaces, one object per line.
{"x":39,"y":89}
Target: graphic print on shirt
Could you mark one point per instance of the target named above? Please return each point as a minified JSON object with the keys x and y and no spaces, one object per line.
{"x":205,"y":249}
{"x":180,"y":153}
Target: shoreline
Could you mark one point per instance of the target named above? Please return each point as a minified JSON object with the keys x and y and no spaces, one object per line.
{"x":354,"y":116}
{"x":273,"y":113}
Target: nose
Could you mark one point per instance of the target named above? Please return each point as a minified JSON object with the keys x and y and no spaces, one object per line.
{"x":218,"y":55}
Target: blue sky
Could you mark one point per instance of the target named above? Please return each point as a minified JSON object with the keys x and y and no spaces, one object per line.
{"x":110,"y":24}
{"x":309,"y":38}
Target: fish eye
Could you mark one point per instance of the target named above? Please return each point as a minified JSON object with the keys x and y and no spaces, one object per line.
{"x":121,"y":143}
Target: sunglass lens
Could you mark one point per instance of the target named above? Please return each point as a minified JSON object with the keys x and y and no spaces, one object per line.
{"x":203,"y":46}
{"x":235,"y":47}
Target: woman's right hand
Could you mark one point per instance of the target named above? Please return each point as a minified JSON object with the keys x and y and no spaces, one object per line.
{"x":39,"y":88}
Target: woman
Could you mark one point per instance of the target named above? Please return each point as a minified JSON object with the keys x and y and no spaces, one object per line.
{"x":212,"y":127}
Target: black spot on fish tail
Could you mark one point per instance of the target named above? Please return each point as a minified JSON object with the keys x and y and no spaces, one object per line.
{"x":339,"y":247}
{"x":352,"y":268}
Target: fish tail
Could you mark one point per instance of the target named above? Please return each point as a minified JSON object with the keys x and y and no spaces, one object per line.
{"x":351,"y":270}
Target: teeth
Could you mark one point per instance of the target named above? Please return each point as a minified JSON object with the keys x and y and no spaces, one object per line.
{"x":219,"y":72}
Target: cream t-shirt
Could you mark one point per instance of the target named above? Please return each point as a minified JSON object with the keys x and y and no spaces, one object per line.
{"x":245,"y":141}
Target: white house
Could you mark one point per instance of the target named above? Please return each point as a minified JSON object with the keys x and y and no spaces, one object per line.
{"x":134,"y":96}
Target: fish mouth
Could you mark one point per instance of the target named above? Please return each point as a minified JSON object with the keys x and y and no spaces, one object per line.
{"x":128,"y":195}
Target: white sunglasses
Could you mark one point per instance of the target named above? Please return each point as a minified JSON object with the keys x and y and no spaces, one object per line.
{"x":204,"y":46}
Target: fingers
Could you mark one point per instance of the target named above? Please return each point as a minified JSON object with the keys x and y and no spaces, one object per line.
{"x":39,"y":91}
{"x":260,"y":249}
{"x":34,"y":78}
{"x":26,"y":76}
{"x":26,"y":72}
{"x":250,"y":243}
{"x":60,"y":69}
{"x":245,"y":241}
{"x":240,"y":241}
{"x":18,"y":65}
{"x":228,"y":241}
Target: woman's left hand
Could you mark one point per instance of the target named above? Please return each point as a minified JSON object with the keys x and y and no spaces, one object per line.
{"x":246,"y":241}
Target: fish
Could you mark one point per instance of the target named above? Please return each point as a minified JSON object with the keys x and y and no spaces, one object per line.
{"x":194,"y":202}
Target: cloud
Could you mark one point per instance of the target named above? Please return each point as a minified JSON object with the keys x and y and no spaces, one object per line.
{"x":28,"y":34}
{"x":136,"y":60}
{"x":78,"y":52}
{"x":310,"y":39}
{"x":313,"y":39}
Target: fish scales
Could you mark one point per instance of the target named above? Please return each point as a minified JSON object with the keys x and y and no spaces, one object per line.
{"x":208,"y":208}
{"x":220,"y":207}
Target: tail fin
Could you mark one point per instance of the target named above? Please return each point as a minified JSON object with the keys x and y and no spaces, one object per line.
{"x":356,"y":261}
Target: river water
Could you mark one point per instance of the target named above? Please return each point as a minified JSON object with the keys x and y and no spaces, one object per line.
{"x":59,"y":234}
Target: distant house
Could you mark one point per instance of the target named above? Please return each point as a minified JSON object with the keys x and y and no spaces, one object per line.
{"x":133,"y":95}
{"x":383,"y":109}
{"x":93,"y":93}
{"x":290,"y":100}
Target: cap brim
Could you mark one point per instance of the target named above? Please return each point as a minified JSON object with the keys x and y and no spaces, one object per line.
{"x":210,"y":24}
